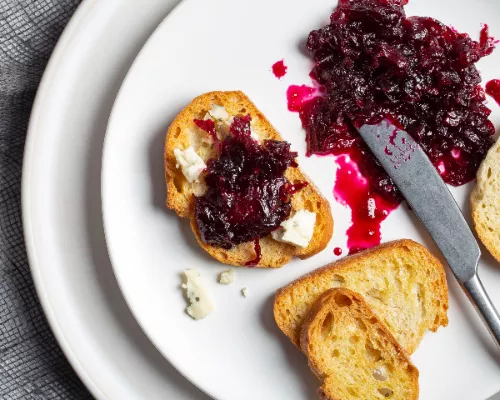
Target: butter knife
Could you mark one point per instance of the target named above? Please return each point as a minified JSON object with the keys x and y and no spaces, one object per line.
{"x":428,"y":196}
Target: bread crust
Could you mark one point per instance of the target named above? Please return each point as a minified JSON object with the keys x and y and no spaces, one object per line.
{"x":485,"y":202}
{"x":180,"y":194}
{"x":308,"y":288}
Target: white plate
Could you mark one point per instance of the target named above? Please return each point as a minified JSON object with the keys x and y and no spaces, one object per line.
{"x":62,"y":210}
{"x":238,"y":352}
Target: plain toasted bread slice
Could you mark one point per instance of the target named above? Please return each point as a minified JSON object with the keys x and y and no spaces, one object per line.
{"x":180,"y":193}
{"x":403,"y":283}
{"x":353,"y":352}
{"x":485,"y":201}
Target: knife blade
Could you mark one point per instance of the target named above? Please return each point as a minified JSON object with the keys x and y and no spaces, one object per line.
{"x":428,"y":196}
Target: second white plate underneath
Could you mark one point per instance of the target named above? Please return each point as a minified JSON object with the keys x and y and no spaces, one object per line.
{"x":238,"y":352}
{"x":61,"y":205}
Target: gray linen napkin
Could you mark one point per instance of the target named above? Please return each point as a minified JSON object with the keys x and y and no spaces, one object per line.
{"x":31,"y":364}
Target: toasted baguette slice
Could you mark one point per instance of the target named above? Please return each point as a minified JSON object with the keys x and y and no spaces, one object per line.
{"x":403,"y":283}
{"x":180,"y":193}
{"x":485,"y":201}
{"x":353,"y":352}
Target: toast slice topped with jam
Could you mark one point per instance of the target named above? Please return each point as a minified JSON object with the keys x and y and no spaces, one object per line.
{"x":231,"y":174}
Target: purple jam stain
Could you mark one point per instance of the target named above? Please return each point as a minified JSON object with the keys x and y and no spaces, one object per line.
{"x":279,"y":69}
{"x":398,"y":149}
{"x":298,"y":96}
{"x":493,"y":89}
{"x":368,"y":208}
{"x":373,"y":62}
{"x":247,"y":195}
{"x":258,"y":254}
{"x":337,"y":251}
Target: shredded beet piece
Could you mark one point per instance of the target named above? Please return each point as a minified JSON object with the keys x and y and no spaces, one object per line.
{"x":297,"y":187}
{"x":208,"y":126}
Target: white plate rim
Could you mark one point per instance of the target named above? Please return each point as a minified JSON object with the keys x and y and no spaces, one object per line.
{"x":76,"y":25}
{"x":26,"y":185}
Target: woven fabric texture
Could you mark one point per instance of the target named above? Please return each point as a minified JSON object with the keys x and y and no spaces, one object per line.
{"x":32,"y":365}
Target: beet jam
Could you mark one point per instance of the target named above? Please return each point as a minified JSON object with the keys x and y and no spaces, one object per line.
{"x":298,"y":96}
{"x":368,"y":207}
{"x":493,"y":89}
{"x":279,"y":69}
{"x":247,"y":195}
{"x":373,"y":63}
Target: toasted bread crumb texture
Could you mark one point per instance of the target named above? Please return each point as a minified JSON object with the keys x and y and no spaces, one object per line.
{"x":485,"y":201}
{"x":180,"y":193}
{"x":352,"y":351}
{"x":403,"y":283}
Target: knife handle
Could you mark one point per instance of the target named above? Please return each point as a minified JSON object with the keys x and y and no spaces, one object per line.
{"x":482,"y":303}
